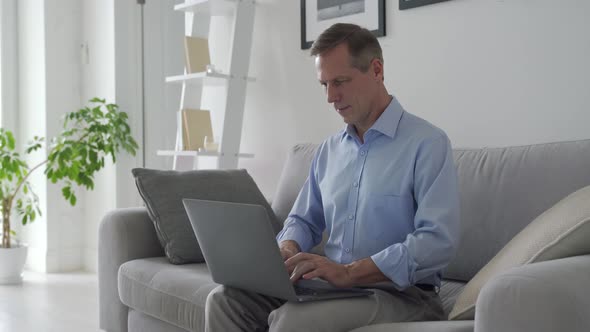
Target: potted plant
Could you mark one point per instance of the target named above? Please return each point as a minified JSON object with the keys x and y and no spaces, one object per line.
{"x":90,"y":135}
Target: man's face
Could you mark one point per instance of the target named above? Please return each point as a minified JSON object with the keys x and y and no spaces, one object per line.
{"x":352,"y":92}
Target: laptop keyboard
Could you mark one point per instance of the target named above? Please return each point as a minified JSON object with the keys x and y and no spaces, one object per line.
{"x":310,"y":291}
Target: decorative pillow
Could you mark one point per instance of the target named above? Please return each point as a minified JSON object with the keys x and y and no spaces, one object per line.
{"x":163,"y":191}
{"x":562,"y":231}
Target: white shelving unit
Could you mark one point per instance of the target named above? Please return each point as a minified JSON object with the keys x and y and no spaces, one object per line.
{"x":234,"y":81}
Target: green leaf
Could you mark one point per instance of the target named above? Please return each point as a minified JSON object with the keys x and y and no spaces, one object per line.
{"x":97,"y":100}
{"x":92,"y":155}
{"x":73,"y":199}
{"x":11,"y":143}
{"x":66,"y":192}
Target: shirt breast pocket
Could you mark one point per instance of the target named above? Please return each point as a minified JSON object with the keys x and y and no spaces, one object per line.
{"x":391,"y":217}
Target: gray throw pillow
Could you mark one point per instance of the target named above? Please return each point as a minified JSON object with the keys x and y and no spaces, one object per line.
{"x":163,"y":191}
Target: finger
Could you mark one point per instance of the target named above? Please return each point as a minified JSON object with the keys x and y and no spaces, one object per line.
{"x":297,"y":258}
{"x":301,"y":269}
{"x":312,"y":274}
{"x":302,"y":256}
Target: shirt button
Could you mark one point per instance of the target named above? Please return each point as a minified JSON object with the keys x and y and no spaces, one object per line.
{"x":347,"y":250}
{"x":350,"y":217}
{"x":355,"y":184}
{"x":362,"y":152}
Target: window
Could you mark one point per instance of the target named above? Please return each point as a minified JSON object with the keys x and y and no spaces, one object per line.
{"x":1,"y":48}
{"x":8,"y":64}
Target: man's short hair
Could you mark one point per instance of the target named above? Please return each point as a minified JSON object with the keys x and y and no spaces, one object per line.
{"x":362,"y":44}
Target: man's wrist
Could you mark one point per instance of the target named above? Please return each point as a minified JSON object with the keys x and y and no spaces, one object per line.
{"x":350,"y":274}
{"x":364,"y":271}
{"x":291,"y":246}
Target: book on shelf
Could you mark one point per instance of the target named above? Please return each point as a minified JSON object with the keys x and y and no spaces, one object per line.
{"x":196,"y":51}
{"x":196,"y":126}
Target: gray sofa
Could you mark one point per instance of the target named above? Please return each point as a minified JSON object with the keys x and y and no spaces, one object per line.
{"x":502,"y":191}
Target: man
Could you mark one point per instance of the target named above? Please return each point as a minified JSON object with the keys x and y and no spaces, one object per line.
{"x":384,"y":189}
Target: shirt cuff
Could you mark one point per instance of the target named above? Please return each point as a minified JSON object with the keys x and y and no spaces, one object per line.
{"x":295,"y":232}
{"x":396,"y":264}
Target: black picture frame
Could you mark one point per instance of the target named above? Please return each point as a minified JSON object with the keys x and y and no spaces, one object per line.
{"x":407,"y":4}
{"x":372,"y":18}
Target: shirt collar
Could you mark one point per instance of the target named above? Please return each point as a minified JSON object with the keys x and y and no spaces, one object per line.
{"x":386,"y":124}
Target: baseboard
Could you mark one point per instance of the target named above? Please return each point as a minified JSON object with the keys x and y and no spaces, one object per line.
{"x":64,"y":260}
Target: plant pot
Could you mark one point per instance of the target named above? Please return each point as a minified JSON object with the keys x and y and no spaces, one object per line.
{"x":12,"y":263}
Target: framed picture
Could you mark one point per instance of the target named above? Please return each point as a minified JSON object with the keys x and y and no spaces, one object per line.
{"x":406,"y":4}
{"x":318,"y":15}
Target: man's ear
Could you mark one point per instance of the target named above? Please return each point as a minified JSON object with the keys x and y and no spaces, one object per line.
{"x":376,"y":69}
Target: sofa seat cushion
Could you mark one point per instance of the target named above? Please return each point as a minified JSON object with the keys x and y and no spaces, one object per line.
{"x":175,"y":294}
{"x":449,"y":291}
{"x":446,"y":326}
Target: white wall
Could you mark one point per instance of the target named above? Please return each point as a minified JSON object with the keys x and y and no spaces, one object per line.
{"x":32,"y":115}
{"x":98,"y":80}
{"x":49,"y":86}
{"x":490,"y":73}
{"x":65,"y":224}
{"x":56,"y":77}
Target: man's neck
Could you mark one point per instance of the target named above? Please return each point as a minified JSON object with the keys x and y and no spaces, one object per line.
{"x":381,"y":106}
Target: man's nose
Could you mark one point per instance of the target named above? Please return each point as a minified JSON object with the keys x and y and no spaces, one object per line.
{"x":333,"y":95}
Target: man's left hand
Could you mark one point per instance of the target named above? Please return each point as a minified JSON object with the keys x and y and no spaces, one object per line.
{"x":309,"y":266}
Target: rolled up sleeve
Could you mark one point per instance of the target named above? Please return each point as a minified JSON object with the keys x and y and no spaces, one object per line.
{"x":430,"y":247}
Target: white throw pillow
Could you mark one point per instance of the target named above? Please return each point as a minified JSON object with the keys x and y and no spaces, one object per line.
{"x":561,"y":231}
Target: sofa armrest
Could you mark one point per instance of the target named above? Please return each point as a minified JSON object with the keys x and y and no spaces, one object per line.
{"x":124,"y":235}
{"x":541,"y":297}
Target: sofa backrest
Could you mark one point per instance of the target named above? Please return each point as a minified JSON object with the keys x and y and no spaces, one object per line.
{"x":293,"y":176}
{"x":502,"y":190}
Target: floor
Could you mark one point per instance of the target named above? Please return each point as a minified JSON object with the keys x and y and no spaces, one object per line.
{"x":64,"y":302}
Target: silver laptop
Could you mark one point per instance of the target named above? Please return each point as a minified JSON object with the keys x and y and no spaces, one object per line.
{"x":240,"y":249}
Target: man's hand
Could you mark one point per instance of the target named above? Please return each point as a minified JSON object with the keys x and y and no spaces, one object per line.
{"x":289,"y":248}
{"x":309,"y":266}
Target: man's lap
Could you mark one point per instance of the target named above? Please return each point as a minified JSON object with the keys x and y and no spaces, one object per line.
{"x":343,"y":314}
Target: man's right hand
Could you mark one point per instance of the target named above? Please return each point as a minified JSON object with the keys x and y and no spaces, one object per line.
{"x":289,"y":248}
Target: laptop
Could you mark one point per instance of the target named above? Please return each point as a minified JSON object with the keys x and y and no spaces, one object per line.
{"x":241,"y":251}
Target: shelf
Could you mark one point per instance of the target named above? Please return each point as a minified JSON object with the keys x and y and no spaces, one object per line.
{"x":232,"y":81}
{"x":208,"y":7}
{"x":200,"y":78}
{"x":198,"y":154}
{"x":208,"y":78}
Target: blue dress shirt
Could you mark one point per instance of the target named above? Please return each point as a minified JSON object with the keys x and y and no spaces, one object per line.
{"x":394,"y":199}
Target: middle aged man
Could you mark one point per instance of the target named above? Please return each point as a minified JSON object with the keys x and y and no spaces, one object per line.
{"x":384,"y":189}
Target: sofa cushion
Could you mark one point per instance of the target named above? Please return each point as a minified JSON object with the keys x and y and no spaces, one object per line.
{"x":175,"y":294}
{"x":562,"y":231}
{"x":294,"y":174}
{"x":163,"y":191}
{"x":436,"y":326}
{"x":504,"y":189}
{"x":449,"y":291}
{"x":140,"y":322}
